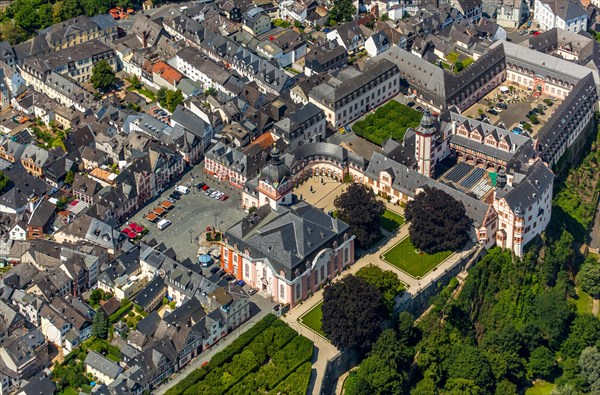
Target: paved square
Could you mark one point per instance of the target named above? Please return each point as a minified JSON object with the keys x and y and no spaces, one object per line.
{"x":191,"y":215}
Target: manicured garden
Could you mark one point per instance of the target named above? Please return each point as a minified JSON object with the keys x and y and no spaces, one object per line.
{"x":417,"y":264}
{"x":269,"y":358}
{"x":312,"y":319}
{"x":541,"y":387}
{"x":391,"y":221}
{"x":389,"y":120}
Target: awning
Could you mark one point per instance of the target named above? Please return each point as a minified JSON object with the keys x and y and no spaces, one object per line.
{"x":151,"y":217}
{"x":166,"y":204}
{"x":504,"y":88}
{"x":158,"y":210}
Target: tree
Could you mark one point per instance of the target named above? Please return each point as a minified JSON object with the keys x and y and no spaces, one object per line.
{"x":407,"y":332}
{"x":359,"y":208}
{"x":173,"y":99}
{"x":589,"y":362}
{"x":4,"y":181}
{"x":588,"y":277}
{"x":27,"y":19}
{"x":460,"y":386}
{"x":210,"y":92}
{"x":458,"y":67}
{"x":438,"y":222}
{"x":384,"y":280}
{"x":352,"y":313}
{"x":505,"y":387}
{"x":376,"y":376}
{"x":95,"y":297}
{"x":135,"y":82}
{"x":70,"y":177}
{"x":541,"y":363}
{"x":533,"y":119}
{"x":467,"y":362}
{"x":100,"y":325}
{"x":103,"y":76}
{"x":342,"y":10}
{"x":70,"y":9}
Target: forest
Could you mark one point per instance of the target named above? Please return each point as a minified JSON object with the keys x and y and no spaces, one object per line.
{"x":23,"y":18}
{"x":514,"y":323}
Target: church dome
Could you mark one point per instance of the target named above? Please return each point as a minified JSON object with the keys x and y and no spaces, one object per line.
{"x":276,"y":172}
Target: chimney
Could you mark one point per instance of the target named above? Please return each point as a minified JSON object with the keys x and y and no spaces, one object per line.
{"x":144,"y":39}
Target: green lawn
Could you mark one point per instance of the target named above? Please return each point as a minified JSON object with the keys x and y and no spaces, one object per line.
{"x":405,"y":258}
{"x":391,"y":221}
{"x":146,"y":92}
{"x":583,"y":302}
{"x":312,"y":319}
{"x":541,"y":387}
{"x":389,"y":120}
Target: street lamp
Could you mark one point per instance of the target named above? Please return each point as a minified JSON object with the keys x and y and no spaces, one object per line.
{"x":191,"y":230}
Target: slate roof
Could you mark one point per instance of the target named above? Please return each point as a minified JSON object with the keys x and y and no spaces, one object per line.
{"x":537,"y":180}
{"x":102,"y":364}
{"x":288,"y":237}
{"x":408,"y":181}
{"x":42,"y":214}
{"x":566,"y":9}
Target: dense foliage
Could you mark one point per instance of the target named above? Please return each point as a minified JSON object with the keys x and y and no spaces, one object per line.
{"x":169,"y":99}
{"x":265,"y":359}
{"x":358,"y":207}
{"x":4,"y":181}
{"x":22,"y":18}
{"x":100,"y":325}
{"x":588,"y":277}
{"x":388,"y":121}
{"x":103,"y":76}
{"x":385,"y":280}
{"x":342,"y":10}
{"x":353,"y":311}
{"x":438,"y":222}
{"x":514,"y":320}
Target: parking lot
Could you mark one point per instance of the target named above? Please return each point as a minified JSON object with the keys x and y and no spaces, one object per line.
{"x":190,"y":216}
{"x":519,"y":103}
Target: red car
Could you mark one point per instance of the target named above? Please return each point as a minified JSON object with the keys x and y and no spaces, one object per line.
{"x":206,"y":187}
{"x":224,"y":197}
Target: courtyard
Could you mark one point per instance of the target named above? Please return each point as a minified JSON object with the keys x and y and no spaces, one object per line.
{"x":520,"y":101}
{"x":405,"y":257}
{"x":391,"y":220}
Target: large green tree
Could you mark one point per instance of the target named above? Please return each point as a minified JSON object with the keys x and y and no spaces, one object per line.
{"x":541,"y":362}
{"x":342,"y":10}
{"x":353,"y":311}
{"x":384,"y":280}
{"x":358,"y":207}
{"x":589,"y":362}
{"x":438,"y":222}
{"x":103,"y":76}
{"x":100,"y":325}
{"x":588,"y":277}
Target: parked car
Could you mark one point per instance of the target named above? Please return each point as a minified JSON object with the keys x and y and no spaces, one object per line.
{"x":224,"y":197}
{"x":205,"y":187}
{"x":502,"y":106}
{"x":214,"y":270}
{"x":228,"y":278}
{"x":234,"y":281}
{"x":218,"y":195}
{"x":173,"y":197}
{"x":419,"y":108}
{"x":221,"y":273}
{"x":176,"y":193}
{"x":276,"y":308}
{"x":241,"y":283}
{"x":182,"y":189}
{"x":209,"y":191}
{"x":492,"y":111}
{"x":200,"y":185}
{"x":410,"y":104}
{"x":498,"y":109}
{"x":170,"y":199}
{"x":163,"y":223}
{"x":253,"y":291}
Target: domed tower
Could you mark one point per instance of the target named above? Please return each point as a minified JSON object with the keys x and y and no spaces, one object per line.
{"x":424,"y":141}
{"x":274,"y":185}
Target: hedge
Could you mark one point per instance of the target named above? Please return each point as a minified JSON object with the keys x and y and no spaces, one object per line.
{"x":116,"y":316}
{"x":263,"y":346}
{"x":282,"y":364}
{"x":223,"y":356}
{"x":389,"y":120}
{"x":296,"y":383}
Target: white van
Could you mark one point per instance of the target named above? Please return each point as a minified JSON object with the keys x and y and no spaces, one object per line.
{"x":182,"y":189}
{"x":163,"y":223}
